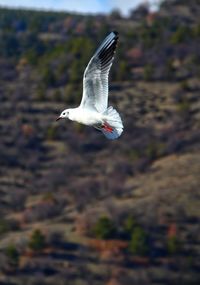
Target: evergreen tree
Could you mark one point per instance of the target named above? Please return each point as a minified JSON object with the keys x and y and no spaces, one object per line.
{"x":139,"y":242}
{"x":13,"y":255}
{"x":37,"y":240}
{"x":104,"y":228}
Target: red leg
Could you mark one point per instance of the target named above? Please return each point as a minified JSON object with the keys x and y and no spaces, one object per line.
{"x":107,"y":128}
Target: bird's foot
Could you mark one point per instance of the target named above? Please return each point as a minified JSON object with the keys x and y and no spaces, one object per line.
{"x":107,"y":128}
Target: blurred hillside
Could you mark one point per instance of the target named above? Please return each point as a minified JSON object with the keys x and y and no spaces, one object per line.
{"x":75,"y":206}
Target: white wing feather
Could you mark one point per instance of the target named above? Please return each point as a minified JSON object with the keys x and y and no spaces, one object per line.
{"x":95,"y":79}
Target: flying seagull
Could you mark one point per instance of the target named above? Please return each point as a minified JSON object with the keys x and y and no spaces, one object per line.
{"x":93,"y":109}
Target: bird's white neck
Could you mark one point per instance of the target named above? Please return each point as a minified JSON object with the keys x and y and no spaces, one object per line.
{"x":73,"y":114}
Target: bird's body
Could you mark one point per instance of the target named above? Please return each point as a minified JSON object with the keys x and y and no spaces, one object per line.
{"x":84,"y":116}
{"x":93,"y":109}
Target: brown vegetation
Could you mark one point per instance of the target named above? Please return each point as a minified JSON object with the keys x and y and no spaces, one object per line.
{"x":75,"y":206}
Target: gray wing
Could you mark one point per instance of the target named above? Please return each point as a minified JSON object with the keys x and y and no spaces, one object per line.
{"x":95,"y":79}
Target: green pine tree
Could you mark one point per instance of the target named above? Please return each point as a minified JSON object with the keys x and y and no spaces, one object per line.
{"x":13,"y":255}
{"x":37,"y":240}
{"x":104,"y":228}
{"x":129,"y":224}
{"x":139,"y":242}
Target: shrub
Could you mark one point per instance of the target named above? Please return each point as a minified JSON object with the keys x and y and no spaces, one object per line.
{"x":104,"y":228}
{"x":139,"y":242}
{"x":173,"y":245}
{"x":129,"y":224}
{"x":31,"y":56}
{"x":4,"y":226}
{"x":154,"y":150}
{"x":196,"y":31}
{"x":123,"y":72}
{"x":52,"y":133}
{"x":185,"y":85}
{"x":48,"y":77}
{"x":182,"y":34}
{"x":151,"y":151}
{"x":151,"y":35}
{"x":40,"y":94}
{"x":148,"y":72}
{"x":49,"y":197}
{"x":75,"y":72}
{"x":37,"y":240}
{"x":134,"y":154}
{"x":13,"y":255}
{"x":183,"y":107}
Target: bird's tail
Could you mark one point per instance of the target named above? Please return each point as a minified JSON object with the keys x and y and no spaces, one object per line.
{"x":112,"y":127}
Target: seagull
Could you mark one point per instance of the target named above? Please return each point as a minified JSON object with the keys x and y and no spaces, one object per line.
{"x":93,"y":109}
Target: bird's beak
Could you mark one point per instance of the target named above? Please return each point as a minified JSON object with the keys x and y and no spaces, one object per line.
{"x":58,"y":118}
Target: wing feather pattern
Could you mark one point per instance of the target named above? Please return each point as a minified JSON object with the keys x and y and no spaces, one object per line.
{"x":95,"y":79}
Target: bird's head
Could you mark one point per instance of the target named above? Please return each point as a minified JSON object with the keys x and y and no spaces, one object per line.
{"x":64,"y":114}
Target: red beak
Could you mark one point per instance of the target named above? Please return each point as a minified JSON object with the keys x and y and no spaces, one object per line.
{"x":58,"y":118}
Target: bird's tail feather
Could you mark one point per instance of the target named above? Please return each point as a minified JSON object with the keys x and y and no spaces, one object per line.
{"x":112,"y":127}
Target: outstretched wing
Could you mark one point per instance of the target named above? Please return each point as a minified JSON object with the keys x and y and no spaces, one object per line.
{"x":95,"y":79}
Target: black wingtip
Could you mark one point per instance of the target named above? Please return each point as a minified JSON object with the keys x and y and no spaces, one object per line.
{"x":116,"y":33}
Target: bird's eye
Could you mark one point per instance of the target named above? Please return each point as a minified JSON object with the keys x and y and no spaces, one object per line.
{"x":63,"y":114}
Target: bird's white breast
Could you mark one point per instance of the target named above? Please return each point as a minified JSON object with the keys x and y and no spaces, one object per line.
{"x":86,"y":116}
